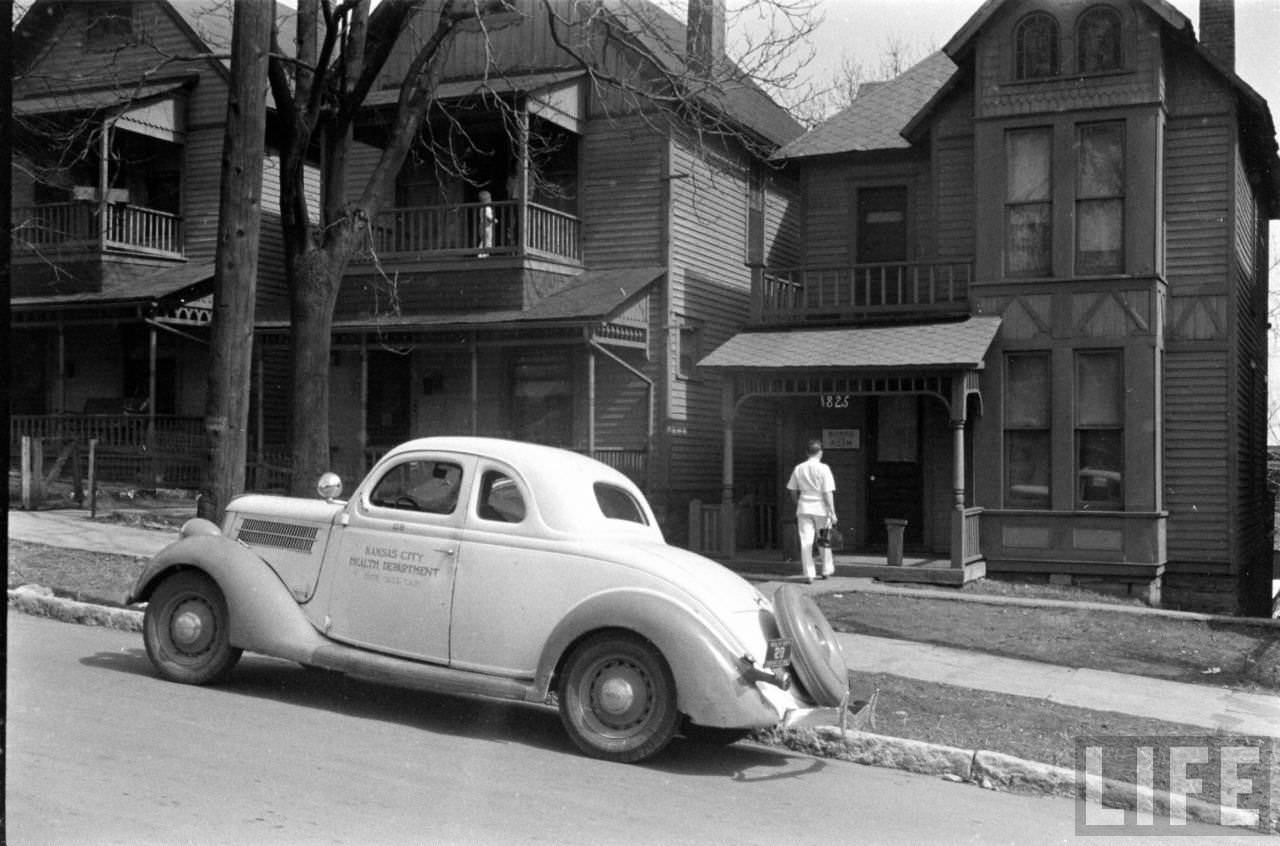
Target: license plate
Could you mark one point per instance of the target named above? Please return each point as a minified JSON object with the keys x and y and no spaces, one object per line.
{"x":778,"y":653}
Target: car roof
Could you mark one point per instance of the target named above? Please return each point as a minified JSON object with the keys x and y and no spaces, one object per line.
{"x":556,"y":475}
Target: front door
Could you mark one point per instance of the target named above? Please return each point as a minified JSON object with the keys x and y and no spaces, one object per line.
{"x":894,"y":477}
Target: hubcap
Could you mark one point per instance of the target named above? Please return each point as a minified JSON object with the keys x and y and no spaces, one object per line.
{"x":616,"y":696}
{"x":191,"y":627}
{"x":620,"y":696}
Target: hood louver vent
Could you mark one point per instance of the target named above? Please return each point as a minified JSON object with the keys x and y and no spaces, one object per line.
{"x":280,"y":535}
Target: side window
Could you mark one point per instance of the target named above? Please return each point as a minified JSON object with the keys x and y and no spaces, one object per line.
{"x":1036,"y":47}
{"x":1098,"y":41}
{"x":500,"y":498}
{"x":1026,"y":430}
{"x":1028,"y":202}
{"x":427,"y":486}
{"x":617,"y":504}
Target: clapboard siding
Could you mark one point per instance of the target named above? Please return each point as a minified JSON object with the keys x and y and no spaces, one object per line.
{"x":622,"y":404}
{"x":622,"y":194}
{"x":953,"y":195}
{"x":829,"y":216}
{"x":201,"y":190}
{"x":1196,"y":435}
{"x":1197,"y":202}
{"x":711,"y":287}
{"x":783,"y":223}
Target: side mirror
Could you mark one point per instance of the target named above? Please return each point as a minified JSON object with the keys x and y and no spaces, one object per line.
{"x":329,"y":487}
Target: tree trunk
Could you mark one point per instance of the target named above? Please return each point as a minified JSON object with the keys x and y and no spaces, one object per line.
{"x":236,"y":273}
{"x":314,"y":293}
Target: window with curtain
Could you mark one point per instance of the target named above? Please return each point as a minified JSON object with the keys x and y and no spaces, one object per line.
{"x":1100,"y":198}
{"x":1100,"y":430}
{"x":1027,"y":416}
{"x":1098,"y":41}
{"x":1036,"y":47}
{"x":1028,"y":202}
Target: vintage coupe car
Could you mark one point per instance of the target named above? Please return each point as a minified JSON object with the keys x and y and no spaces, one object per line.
{"x":487,"y":567}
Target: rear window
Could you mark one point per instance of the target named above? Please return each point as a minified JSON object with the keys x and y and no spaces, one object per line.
{"x":618,"y":504}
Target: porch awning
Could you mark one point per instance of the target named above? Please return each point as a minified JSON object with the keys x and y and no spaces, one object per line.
{"x":151,"y":109}
{"x":179,"y":294}
{"x":955,"y":345}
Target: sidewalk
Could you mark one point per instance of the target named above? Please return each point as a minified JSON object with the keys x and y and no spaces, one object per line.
{"x":1197,"y":705}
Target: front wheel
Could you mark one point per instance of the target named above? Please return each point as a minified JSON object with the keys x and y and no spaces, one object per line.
{"x":186,"y":631}
{"x":618,"y":699}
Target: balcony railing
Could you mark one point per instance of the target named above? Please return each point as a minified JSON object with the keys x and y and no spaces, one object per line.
{"x":860,"y":291}
{"x":79,"y":225}
{"x":476,"y":230}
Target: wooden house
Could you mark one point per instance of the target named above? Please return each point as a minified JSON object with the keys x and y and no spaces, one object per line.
{"x":1029,"y":316}
{"x":119,"y":111}
{"x":560,"y":252}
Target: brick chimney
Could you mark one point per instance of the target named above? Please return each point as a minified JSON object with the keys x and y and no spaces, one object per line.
{"x":705,"y":34}
{"x":1218,"y":29}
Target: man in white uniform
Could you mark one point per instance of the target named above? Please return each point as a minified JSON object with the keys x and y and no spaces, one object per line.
{"x":813,"y":490}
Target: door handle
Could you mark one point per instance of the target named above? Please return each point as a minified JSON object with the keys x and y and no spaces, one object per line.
{"x":453,"y":550}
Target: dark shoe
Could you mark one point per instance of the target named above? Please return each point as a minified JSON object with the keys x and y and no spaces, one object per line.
{"x":823,"y":576}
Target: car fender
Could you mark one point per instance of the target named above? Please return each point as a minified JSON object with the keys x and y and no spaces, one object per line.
{"x":263,"y":614}
{"x":710,"y":686}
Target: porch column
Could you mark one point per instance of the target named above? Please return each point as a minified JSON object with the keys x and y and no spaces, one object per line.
{"x":362,"y":434}
{"x":728,"y":531}
{"x":475,"y":382}
{"x":104,"y":182}
{"x":958,"y":413}
{"x":591,"y":400}
{"x":152,"y":351}
{"x":62,"y":367}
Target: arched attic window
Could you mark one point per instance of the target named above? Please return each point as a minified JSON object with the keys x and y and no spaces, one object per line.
{"x":1036,"y":46}
{"x":1099,"y":46}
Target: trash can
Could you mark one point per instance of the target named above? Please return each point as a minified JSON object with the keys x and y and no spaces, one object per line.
{"x":895,"y":529}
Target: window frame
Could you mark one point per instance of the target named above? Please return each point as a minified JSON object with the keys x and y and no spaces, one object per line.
{"x":1084,"y":430}
{"x":1044,"y":267}
{"x":1022,"y":70}
{"x":1014,"y":433}
{"x":1095,"y":267}
{"x":1086,"y":17}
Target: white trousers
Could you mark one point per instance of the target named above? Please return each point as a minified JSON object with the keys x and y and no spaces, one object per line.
{"x":807,"y":525}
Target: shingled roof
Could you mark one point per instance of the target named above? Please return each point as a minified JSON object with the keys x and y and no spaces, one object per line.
{"x":877,"y":116}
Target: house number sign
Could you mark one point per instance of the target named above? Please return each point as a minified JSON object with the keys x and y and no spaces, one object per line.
{"x":834,"y":400}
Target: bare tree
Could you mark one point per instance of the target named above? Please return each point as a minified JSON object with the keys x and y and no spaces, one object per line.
{"x":343,"y":47}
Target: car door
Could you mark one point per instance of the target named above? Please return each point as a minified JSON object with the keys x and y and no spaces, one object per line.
{"x":393,"y":565}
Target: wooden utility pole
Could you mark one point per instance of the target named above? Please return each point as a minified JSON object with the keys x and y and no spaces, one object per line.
{"x":235,"y":279}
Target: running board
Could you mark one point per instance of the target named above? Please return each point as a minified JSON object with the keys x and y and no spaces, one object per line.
{"x":401,"y":672}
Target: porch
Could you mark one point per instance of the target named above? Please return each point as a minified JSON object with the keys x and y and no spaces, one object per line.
{"x":503,"y":228}
{"x":924,"y":568}
{"x":84,"y":226}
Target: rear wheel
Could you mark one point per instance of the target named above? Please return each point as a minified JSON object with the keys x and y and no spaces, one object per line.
{"x":186,"y":631}
{"x":618,"y":698}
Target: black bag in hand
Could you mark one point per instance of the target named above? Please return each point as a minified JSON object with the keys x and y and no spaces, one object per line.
{"x":829,"y":538}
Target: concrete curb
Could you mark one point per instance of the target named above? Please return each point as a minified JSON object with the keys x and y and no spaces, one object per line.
{"x":997,"y":771}
{"x":40,"y":601}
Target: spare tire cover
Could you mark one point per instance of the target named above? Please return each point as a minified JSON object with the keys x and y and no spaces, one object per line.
{"x":816,"y":657}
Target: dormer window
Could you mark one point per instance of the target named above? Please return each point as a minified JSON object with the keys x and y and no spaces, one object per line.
{"x":1036,"y":47}
{"x":1098,"y":41}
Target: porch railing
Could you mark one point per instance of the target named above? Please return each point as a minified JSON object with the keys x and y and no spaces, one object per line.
{"x":475,"y":230}
{"x":969,"y":545}
{"x":78,"y":224}
{"x":832,"y":293}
